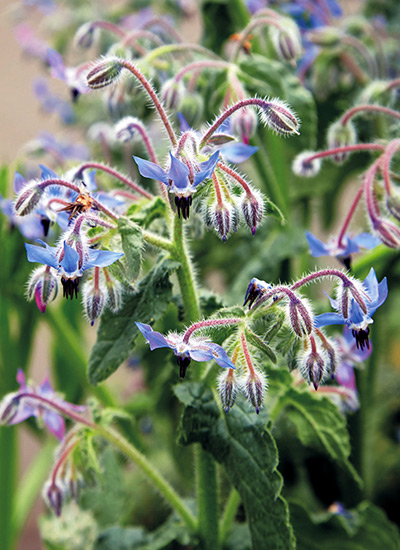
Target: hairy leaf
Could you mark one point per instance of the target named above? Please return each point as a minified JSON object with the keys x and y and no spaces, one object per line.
{"x":132,"y":244}
{"x":319,"y":424}
{"x":240,"y":442}
{"x":363,"y":528}
{"x":117,"y":332}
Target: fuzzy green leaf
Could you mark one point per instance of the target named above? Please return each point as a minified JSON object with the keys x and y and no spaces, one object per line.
{"x":240,"y":442}
{"x":132,"y":244}
{"x":260,"y":344}
{"x":117,"y":332}
{"x":319,"y":424}
{"x":363,"y":528}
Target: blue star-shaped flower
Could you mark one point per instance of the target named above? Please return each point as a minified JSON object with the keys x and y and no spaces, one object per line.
{"x":178,"y":179}
{"x":357,"y":320}
{"x":69,"y":264}
{"x":342,"y":253}
{"x":198,"y":349}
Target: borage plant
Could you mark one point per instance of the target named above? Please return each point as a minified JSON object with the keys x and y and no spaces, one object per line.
{"x":260,"y":370}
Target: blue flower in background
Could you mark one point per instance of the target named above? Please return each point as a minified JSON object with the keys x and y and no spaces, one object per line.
{"x":342,"y":253}
{"x":358,"y":321}
{"x":68,"y":263}
{"x":350,"y":354}
{"x":198,"y":349}
{"x":36,"y":401}
{"x":51,"y":103}
{"x":178,"y":179}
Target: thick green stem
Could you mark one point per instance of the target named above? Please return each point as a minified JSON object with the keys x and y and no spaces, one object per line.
{"x":229,"y":515}
{"x":185,"y":273}
{"x":156,"y":240}
{"x":207,"y":499}
{"x":8,"y":466}
{"x":155,"y":477}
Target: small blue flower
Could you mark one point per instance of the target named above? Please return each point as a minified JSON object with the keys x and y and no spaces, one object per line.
{"x":342,"y":253}
{"x":51,"y":103}
{"x":178,"y":179}
{"x":358,"y":321}
{"x":198,"y":349}
{"x":350,"y":354}
{"x":68,"y":263}
{"x":36,"y":401}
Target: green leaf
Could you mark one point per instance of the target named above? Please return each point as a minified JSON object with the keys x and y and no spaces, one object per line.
{"x":240,"y":442}
{"x":121,"y":538}
{"x":132,"y":244}
{"x":117,"y":332}
{"x":272,"y":210}
{"x":260,"y":344}
{"x":319,"y":424}
{"x":363,"y":528}
{"x":145,"y":214}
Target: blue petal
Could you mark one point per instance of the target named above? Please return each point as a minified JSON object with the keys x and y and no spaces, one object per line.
{"x":47,"y":173}
{"x":351,"y":247}
{"x":329,"y":319}
{"x":221,"y":357}
{"x":19,"y":182}
{"x":317,"y":247}
{"x":102,"y":258}
{"x":206,"y":168}
{"x":70,"y":261}
{"x":41,"y":255}
{"x":184,"y":125}
{"x":201,"y":354}
{"x":238,"y":152}
{"x":155,"y":339}
{"x":366,"y":240}
{"x":55,"y":423}
{"x":151,"y":170}
{"x":370,"y":284}
{"x":178,"y":173}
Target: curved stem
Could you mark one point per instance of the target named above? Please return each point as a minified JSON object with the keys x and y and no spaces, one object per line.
{"x":204,"y":64}
{"x":368,"y":108}
{"x":235,"y":176}
{"x":209,"y":323}
{"x":154,"y":98}
{"x":176,"y":48}
{"x":229,"y":515}
{"x":115,"y":174}
{"x":386,"y":158}
{"x":359,"y":147}
{"x":323,"y":273}
{"x":350,"y":215}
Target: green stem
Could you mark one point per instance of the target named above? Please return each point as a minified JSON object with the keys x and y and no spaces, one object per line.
{"x":229,"y":515}
{"x":185,"y":273}
{"x":207,"y":498}
{"x":155,"y":477}
{"x":8,"y":466}
{"x":173,"y":48}
{"x":156,"y":240}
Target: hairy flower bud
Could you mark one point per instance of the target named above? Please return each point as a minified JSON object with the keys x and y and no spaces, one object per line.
{"x":327,"y":37}
{"x":171,"y":93}
{"x":126,"y":129}
{"x":113,"y":291}
{"x":304,"y":167}
{"x":300,"y":317}
{"x":388,"y":232}
{"x":277,"y":115}
{"x":244,"y":124}
{"x":104,"y":72}
{"x":42,"y":286}
{"x":314,"y":369}
{"x":393,"y":205}
{"x":252,"y":207}
{"x":377,"y":92}
{"x":227,"y":388}
{"x":340,"y":135}
{"x":254,"y":386}
{"x":28,"y":198}
{"x":53,"y":494}
{"x":221,"y":217}
{"x":93,"y":300}
{"x":8,"y":408}
{"x":286,"y":40}
{"x":86,"y":35}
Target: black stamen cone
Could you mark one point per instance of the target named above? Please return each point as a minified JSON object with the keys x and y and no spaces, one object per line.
{"x":183,"y":362}
{"x":183,"y":205}
{"x":361,"y":337}
{"x":46,"y":226}
{"x":70,"y":287}
{"x":346,"y":261}
{"x":74,"y":95}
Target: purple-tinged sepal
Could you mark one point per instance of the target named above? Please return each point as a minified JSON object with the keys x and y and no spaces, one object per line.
{"x":104,"y":72}
{"x":252,"y":206}
{"x":28,"y":198}
{"x":277,"y":115}
{"x":42,"y":286}
{"x":254,"y":386}
{"x":227,"y":388}
{"x":255,"y":291}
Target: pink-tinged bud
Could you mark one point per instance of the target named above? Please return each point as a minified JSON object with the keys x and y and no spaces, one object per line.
{"x":244,"y":124}
{"x":254,"y":386}
{"x":171,"y":93}
{"x":127,"y":128}
{"x":341,"y":136}
{"x":252,"y":207}
{"x":393,"y":205}
{"x":315,"y":369}
{"x":331,"y":359}
{"x":343,"y":299}
{"x":86,"y":35}
{"x":277,"y":115}
{"x":93,"y":300}
{"x":305,"y":166}
{"x":286,"y":40}
{"x":388,"y":232}
{"x":222,"y":218}
{"x":53,"y":494}
{"x":42,"y":286}
{"x":28,"y":198}
{"x":104,"y":72}
{"x":227,"y":388}
{"x":300,"y":317}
